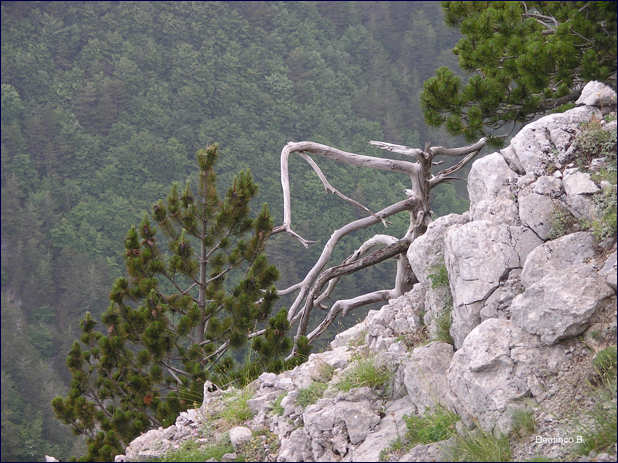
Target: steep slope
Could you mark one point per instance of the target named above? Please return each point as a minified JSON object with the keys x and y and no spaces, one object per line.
{"x":509,"y":330}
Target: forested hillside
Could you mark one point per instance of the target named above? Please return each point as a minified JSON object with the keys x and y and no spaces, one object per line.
{"x":104,"y":104}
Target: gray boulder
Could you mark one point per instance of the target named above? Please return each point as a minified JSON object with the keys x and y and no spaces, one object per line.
{"x":546,"y":140}
{"x":295,"y":447}
{"x":578,"y":183}
{"x":425,"y":375}
{"x":427,"y":251}
{"x":240,"y":435}
{"x":556,"y":255}
{"x":548,"y":186}
{"x":498,"y":304}
{"x":497,"y":365}
{"x":597,"y":94}
{"x":536,"y":211}
{"x":381,"y":436}
{"x":478,"y":256}
{"x":609,"y":270}
{"x":561,"y":303}
{"x":425,"y":254}
{"x":427,"y":452}
{"x":489,"y":184}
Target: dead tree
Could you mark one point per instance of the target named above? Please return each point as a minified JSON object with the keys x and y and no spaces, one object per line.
{"x":311,"y":291}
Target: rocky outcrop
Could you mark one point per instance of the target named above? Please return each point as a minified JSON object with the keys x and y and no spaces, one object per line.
{"x":519,"y":294}
{"x":498,"y":365}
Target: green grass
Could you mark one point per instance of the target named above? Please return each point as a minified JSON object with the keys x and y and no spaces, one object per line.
{"x":192,"y":451}
{"x":436,"y":425}
{"x":311,"y":394}
{"x":523,"y":422}
{"x":254,"y":449}
{"x":439,"y":279}
{"x":479,"y":446}
{"x":277,"y":408}
{"x":539,"y":458}
{"x":604,"y":363}
{"x":397,"y":446}
{"x":365,"y":373}
{"x":432,"y":427}
{"x":443,"y":323}
{"x":236,"y":408}
{"x":600,"y":434}
{"x":563,"y":223}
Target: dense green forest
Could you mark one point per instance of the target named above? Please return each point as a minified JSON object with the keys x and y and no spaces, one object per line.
{"x":104,"y":104}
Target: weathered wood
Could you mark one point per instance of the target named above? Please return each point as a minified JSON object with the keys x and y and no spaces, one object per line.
{"x":417,"y":204}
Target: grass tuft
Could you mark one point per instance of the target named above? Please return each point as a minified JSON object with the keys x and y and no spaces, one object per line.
{"x":193,"y":451}
{"x":277,"y":408}
{"x":479,"y":446}
{"x":365,"y":373}
{"x":311,"y":394}
{"x":237,"y":409}
{"x":523,"y":422}
{"x":432,"y":427}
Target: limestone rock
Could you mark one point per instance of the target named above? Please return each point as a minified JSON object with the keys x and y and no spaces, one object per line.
{"x":478,"y":255}
{"x":49,"y":458}
{"x":239,"y":435}
{"x":296,"y":447}
{"x":546,"y":140}
{"x":496,"y":365}
{"x":597,"y":94}
{"x":427,"y":452}
{"x":498,"y":304}
{"x":490,"y":197}
{"x":560,"y":304}
{"x":575,"y":248}
{"x":609,"y":270}
{"x":536,"y":211}
{"x":578,"y":183}
{"x":427,"y":251}
{"x":548,"y":186}
{"x":425,"y":375}
{"x":391,"y":425}
{"x":351,"y":334}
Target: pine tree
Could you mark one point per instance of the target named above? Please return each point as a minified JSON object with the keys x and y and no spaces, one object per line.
{"x":179,"y":317}
{"x":525,"y":58}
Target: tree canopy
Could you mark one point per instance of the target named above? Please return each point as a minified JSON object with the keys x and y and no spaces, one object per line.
{"x":175,"y":316}
{"x":524,"y":58}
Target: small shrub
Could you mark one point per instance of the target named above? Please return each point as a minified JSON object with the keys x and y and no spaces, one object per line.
{"x":237,"y":409}
{"x":365,"y":373}
{"x":605,"y":225}
{"x":600,"y":435}
{"x":277,"y":408}
{"x":193,"y":451}
{"x":325,"y":371}
{"x":439,"y":279}
{"x":523,"y":422}
{"x":433,"y":427}
{"x":443,"y":323}
{"x":395,"y":447}
{"x":563,"y":223}
{"x":255,"y":449}
{"x":479,"y":446}
{"x":593,"y":142}
{"x":311,"y":394}
{"x":564,"y":107}
{"x":605,"y":362}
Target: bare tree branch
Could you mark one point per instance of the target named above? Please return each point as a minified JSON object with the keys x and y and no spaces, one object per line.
{"x":336,"y":155}
{"x":400,"y":206}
